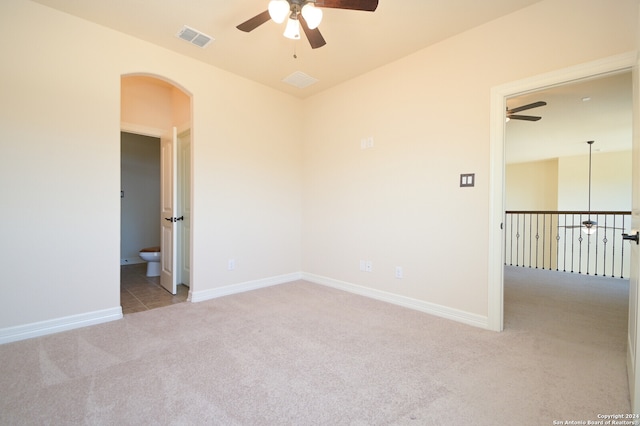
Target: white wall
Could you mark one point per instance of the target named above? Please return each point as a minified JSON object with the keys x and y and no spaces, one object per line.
{"x":60,"y":115}
{"x":140,"y":206}
{"x":399,"y":203}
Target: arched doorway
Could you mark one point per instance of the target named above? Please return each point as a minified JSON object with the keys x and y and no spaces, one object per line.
{"x":155,"y":110}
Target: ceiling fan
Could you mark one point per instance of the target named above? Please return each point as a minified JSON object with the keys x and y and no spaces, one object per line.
{"x":305,"y":13}
{"x":511,"y":113}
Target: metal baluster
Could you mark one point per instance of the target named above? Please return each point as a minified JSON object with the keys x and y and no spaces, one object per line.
{"x":530,"y":238}
{"x":511,"y":238}
{"x":605,"y":240}
{"x":622,"y":255}
{"x":564,"y":261}
{"x":537,"y":237}
{"x":580,"y":240}
{"x":557,"y":242}
{"x":544,"y":235}
{"x":573,"y":221}
{"x":589,"y":247}
{"x":504,"y":221}
{"x":517,"y":239}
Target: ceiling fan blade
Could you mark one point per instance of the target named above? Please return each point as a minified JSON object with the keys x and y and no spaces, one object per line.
{"x":523,"y":117}
{"x":366,"y":5}
{"x":528,"y":106}
{"x":582,"y":226}
{"x":254,"y":22}
{"x":313,"y":35}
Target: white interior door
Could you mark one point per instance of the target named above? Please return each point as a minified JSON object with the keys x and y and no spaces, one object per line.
{"x":184,"y":197}
{"x":168,"y":201}
{"x":633,"y":357}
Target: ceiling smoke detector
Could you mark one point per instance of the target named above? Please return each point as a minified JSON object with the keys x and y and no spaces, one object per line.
{"x":194,"y":37}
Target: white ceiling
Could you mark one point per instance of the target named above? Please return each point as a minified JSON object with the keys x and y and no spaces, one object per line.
{"x":356,"y":41}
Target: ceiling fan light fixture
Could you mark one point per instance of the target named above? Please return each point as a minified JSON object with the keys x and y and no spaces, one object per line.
{"x":589,"y":227}
{"x":312,"y":15}
{"x":278,"y":10}
{"x":292,"y":30}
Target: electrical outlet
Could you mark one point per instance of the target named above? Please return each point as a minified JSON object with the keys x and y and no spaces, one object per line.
{"x":366,"y":143}
{"x":368,"y":266}
{"x":231,"y":265}
{"x":369,"y":142}
{"x":363,"y":265}
{"x":399,"y":272}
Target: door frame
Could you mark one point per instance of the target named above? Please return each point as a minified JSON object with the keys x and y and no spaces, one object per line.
{"x":184,"y":203}
{"x":499,"y":95}
{"x":158,"y":133}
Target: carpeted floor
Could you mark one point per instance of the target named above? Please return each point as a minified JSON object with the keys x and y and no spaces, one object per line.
{"x":304,"y":354}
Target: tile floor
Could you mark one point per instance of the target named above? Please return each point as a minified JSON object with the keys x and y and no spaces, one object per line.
{"x":140,"y":293}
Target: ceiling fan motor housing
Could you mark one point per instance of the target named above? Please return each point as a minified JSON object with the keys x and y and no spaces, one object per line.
{"x":309,"y":18}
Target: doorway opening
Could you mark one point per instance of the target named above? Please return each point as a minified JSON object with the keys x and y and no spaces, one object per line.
{"x":555,"y":268}
{"x":499,"y":97}
{"x":551,"y":188}
{"x":155,"y":188}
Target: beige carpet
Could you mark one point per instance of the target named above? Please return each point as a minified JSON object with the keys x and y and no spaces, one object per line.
{"x":303,"y":354}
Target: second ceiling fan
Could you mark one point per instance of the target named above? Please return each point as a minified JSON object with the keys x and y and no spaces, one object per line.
{"x":305,"y":14}
{"x":511,"y":113}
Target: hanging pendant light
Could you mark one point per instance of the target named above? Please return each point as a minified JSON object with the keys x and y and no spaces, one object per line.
{"x":589,"y":226}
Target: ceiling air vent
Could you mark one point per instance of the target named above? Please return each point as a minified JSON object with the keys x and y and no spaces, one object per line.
{"x":300,"y":80}
{"x":194,"y":36}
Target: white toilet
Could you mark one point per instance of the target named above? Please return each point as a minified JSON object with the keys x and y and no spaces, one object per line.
{"x":152,"y":255}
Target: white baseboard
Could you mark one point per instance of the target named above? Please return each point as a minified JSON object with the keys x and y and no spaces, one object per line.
{"x":228,"y":290}
{"x":407,"y":302}
{"x":131,"y":261}
{"x":42,"y":328}
{"x":27,"y":331}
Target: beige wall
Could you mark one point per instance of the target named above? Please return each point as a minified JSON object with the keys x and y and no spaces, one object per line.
{"x":60,"y":114}
{"x":610,"y":182}
{"x":397,"y":204}
{"x":563,"y":184}
{"x":147,"y":101}
{"x":152,"y":103}
{"x":532,"y":186}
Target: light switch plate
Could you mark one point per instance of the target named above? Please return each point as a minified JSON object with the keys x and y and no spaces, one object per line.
{"x":467,"y":180}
